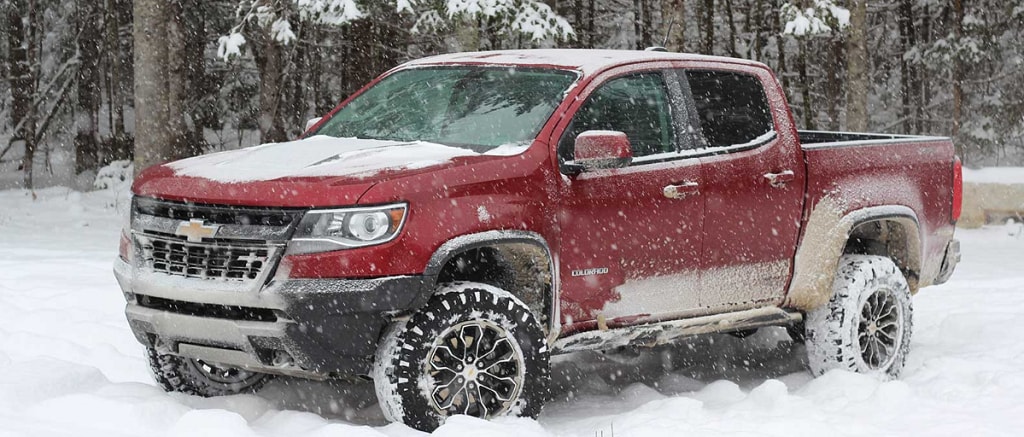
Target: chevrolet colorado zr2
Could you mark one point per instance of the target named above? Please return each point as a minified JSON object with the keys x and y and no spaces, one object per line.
{"x":461,"y":219}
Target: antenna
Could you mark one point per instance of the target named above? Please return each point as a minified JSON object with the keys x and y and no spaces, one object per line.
{"x":668,"y":32}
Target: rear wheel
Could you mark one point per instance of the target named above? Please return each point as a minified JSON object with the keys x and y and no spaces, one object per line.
{"x":473,"y":349}
{"x":201,"y":378}
{"x":866,"y":326}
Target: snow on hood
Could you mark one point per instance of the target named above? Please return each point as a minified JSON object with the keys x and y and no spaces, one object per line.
{"x":316,"y":156}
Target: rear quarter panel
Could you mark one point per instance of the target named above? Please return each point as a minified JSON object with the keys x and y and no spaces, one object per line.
{"x":916,"y":173}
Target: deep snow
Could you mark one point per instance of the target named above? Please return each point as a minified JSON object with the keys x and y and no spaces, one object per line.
{"x":70,"y":366}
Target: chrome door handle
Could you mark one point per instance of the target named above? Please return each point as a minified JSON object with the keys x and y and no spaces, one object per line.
{"x":780,"y":179}
{"x":680,"y":191}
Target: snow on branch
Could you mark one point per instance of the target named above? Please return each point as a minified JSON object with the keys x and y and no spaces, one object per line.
{"x":538,"y":21}
{"x":274,"y":16}
{"x":531,"y":18}
{"x":821,"y":18}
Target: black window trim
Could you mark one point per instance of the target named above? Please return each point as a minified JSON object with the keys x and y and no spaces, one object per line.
{"x":673,"y":93}
{"x":683,"y":110}
{"x":691,"y":105}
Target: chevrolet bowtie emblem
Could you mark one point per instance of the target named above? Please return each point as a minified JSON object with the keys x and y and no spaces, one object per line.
{"x":194,"y":230}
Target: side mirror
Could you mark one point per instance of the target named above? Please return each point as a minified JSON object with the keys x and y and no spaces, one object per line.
{"x":312,"y":122}
{"x":597,"y":149}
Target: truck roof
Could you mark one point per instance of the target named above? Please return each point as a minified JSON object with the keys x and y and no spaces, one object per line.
{"x":588,"y":61}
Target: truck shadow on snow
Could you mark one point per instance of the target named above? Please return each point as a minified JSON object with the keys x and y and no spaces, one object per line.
{"x":671,"y":370}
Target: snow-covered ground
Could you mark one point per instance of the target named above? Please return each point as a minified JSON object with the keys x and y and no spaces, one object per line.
{"x":70,"y":366}
{"x":995,"y":175}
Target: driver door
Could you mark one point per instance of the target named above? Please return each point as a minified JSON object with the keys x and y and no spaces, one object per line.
{"x":630,"y":253}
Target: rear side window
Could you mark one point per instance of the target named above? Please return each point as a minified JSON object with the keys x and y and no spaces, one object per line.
{"x":731,"y":108}
{"x":637,"y":105}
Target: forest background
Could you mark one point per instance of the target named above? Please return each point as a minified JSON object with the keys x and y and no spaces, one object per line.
{"x":87,"y":83}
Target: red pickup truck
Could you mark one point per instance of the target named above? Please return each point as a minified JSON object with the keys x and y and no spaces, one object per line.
{"x":462,"y":218}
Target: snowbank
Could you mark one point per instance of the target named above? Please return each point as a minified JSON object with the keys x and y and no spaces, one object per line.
{"x":995,"y":175}
{"x":992,"y":195}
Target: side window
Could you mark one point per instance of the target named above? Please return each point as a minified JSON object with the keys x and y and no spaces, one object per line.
{"x":731,"y":108}
{"x":637,"y":105}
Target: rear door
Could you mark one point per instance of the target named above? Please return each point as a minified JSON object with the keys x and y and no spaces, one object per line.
{"x":753,"y":187}
{"x":629,"y":253}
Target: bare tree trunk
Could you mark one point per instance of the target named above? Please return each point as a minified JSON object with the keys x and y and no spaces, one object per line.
{"x":780,"y":44}
{"x":922,"y":87}
{"x":805,"y":86}
{"x":958,"y":73}
{"x":152,"y":137}
{"x":577,"y":25}
{"x":925,"y":89}
{"x":34,"y":34}
{"x":88,"y":84}
{"x":121,"y":141}
{"x":467,"y":36}
{"x":757,"y":27}
{"x":293,"y":108}
{"x":269,"y":59}
{"x":591,"y":30}
{"x":637,"y":17}
{"x":732,"y":29}
{"x":21,"y":49}
{"x":834,"y":81}
{"x":673,"y":16}
{"x":708,"y":26}
{"x":647,"y":39}
{"x":113,"y":43}
{"x":197,"y":82}
{"x":176,"y":84}
{"x":857,"y":70}
{"x":907,"y":71}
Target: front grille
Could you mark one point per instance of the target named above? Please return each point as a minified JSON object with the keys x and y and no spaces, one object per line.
{"x":225,"y":215}
{"x":235,"y":262}
{"x":209,"y":310}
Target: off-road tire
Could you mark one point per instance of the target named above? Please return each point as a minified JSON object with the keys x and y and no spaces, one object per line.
{"x":444,"y":332}
{"x":867,"y":324}
{"x":185,"y":375}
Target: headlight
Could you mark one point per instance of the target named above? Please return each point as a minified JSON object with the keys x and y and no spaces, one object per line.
{"x":335,"y":229}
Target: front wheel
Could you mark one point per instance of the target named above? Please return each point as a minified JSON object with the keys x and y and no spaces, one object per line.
{"x":473,"y":349}
{"x":866,"y":326}
{"x":201,"y":378}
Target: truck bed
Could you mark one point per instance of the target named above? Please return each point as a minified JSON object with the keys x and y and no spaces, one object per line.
{"x":814,"y":138}
{"x":852,"y":171}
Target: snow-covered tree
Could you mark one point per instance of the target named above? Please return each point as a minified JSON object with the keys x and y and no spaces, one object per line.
{"x":530,"y":18}
{"x":502,"y":18}
{"x":819,"y":17}
{"x":274,"y":27}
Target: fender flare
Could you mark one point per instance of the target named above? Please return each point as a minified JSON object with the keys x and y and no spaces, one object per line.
{"x":827,"y":231}
{"x":466,"y":242}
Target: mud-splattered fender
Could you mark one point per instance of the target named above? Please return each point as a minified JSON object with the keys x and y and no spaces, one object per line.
{"x":499,"y":238}
{"x":827,"y":231}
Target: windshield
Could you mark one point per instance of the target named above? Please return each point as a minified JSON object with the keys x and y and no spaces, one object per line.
{"x":479,"y":108}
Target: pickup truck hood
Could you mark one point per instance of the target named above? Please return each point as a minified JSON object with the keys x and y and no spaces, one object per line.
{"x":316,"y":171}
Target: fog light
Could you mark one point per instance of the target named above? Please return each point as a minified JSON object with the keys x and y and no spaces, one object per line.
{"x":282,"y":359}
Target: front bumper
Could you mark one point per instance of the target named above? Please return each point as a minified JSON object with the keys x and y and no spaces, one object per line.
{"x":949,"y":261}
{"x":312,"y":328}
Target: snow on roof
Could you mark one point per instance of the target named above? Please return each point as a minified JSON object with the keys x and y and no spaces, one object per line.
{"x":587,"y":60}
